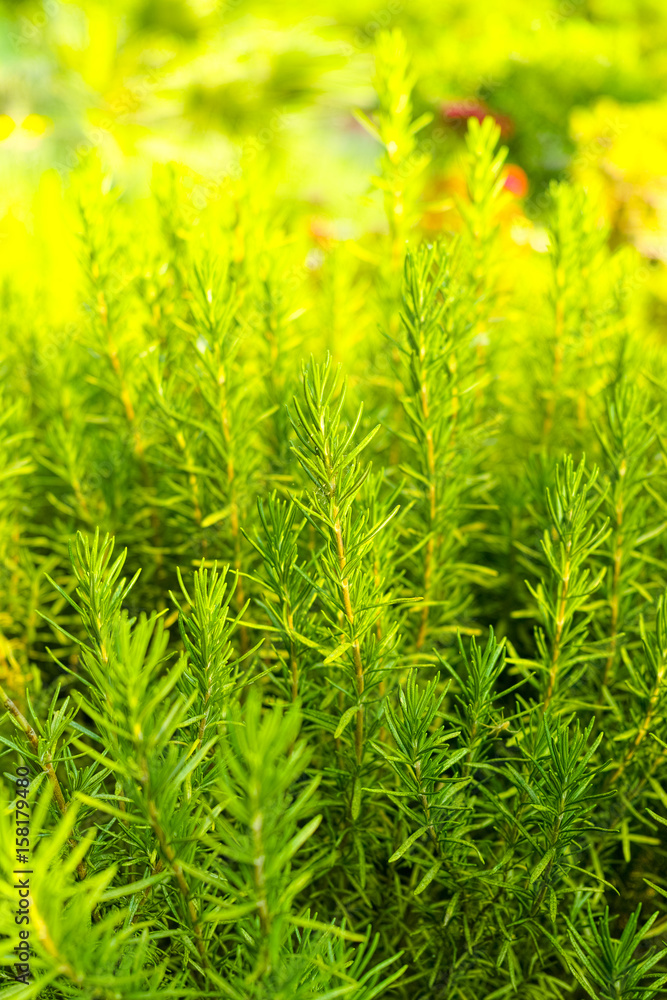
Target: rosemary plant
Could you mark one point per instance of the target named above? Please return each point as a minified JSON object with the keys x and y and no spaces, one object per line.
{"x":344,"y":678}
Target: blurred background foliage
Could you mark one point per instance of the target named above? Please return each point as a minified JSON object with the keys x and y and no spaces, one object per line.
{"x":577,"y":86}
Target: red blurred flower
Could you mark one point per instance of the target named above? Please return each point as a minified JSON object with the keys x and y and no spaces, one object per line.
{"x":463,"y":109}
{"x":516,"y":181}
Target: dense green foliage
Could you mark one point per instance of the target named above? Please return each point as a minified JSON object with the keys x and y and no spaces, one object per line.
{"x":337,"y":683}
